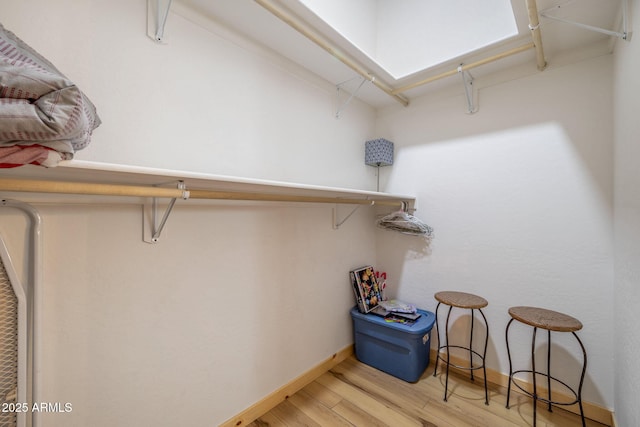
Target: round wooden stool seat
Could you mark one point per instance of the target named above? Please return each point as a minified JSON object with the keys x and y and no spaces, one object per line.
{"x":461,"y":299}
{"x":545,"y":319}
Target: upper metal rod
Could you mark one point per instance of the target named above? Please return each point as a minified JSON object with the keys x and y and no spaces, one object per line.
{"x":312,"y":35}
{"x":465,"y":67}
{"x":534,"y":26}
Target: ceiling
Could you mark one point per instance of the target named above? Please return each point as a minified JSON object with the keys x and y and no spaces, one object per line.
{"x":559,"y":40}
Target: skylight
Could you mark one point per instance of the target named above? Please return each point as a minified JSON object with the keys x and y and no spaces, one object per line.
{"x":407,"y":36}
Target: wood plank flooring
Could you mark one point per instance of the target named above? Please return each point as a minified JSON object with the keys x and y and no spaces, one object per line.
{"x":354,"y":394}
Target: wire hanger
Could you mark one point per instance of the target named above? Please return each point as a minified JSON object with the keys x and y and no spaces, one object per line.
{"x":402,"y":221}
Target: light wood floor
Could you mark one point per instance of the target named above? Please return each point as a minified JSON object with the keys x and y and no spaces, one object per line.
{"x":354,"y":394}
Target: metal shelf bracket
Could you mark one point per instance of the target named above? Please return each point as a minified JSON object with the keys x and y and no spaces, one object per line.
{"x":157,"y":13}
{"x":339,"y":87}
{"x":151,"y":228}
{"x":337,"y":222}
{"x":467,"y":82}
{"x":624,"y":35}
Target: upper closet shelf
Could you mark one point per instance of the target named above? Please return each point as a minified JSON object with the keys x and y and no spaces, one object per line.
{"x":84,"y":181}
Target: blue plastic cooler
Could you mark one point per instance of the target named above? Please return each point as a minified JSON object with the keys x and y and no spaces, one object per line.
{"x":398,"y":349}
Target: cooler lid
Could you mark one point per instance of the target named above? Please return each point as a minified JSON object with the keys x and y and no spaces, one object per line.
{"x":422,"y":325}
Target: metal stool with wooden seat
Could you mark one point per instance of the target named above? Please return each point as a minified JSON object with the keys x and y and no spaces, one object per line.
{"x":465,"y":301}
{"x":550,"y":321}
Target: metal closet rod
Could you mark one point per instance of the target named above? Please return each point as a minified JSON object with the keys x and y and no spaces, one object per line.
{"x":96,"y":189}
{"x":312,"y":35}
{"x":88,"y":188}
{"x":228,"y":195}
{"x":534,"y":26}
{"x":465,"y":67}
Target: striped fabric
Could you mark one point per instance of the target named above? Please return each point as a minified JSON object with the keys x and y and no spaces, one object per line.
{"x":39,"y":106}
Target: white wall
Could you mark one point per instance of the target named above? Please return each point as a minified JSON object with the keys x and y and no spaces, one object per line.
{"x":627,"y":226}
{"x":520,"y":196}
{"x":236,"y":299}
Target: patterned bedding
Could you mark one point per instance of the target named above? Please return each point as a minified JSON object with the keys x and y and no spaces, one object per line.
{"x":44,"y":117}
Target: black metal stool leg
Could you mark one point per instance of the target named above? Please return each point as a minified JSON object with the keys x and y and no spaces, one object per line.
{"x":506,"y":333}
{"x":484,"y":356}
{"x":446,"y":338}
{"x":549,"y":367}
{"x":435,"y":368}
{"x":470,"y":348}
{"x":584,"y":370}
{"x":533,"y":372}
